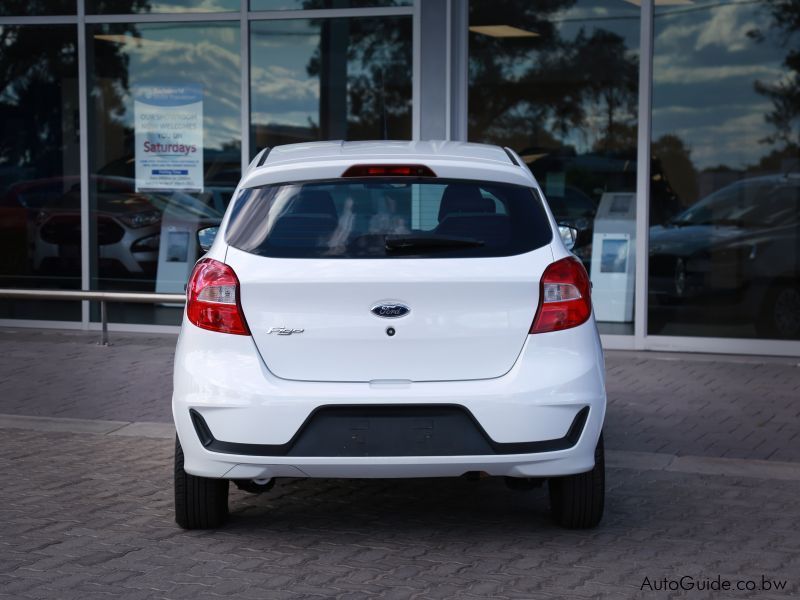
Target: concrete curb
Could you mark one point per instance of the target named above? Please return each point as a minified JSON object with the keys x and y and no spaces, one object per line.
{"x":615,"y":459}
{"x":59,"y":424}
{"x":704,"y":465}
{"x":96,"y":426}
{"x":148,"y":430}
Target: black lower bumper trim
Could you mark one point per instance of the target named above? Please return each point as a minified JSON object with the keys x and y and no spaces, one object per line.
{"x":377,"y":430}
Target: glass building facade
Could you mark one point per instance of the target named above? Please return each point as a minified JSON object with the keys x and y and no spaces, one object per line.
{"x":666,"y":133}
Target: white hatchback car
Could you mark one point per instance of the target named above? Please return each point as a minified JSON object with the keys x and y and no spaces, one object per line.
{"x":388,"y":309}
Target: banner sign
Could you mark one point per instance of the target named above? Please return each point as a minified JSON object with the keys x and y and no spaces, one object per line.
{"x":169,"y":137}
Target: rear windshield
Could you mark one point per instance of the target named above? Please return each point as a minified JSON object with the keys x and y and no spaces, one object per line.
{"x":388,"y":218}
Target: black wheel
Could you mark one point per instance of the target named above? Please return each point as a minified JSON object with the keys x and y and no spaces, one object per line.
{"x":576,"y":501}
{"x":200,"y":502}
{"x":780,"y":313}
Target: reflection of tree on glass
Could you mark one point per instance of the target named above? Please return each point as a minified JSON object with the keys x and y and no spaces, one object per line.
{"x":785,"y":93}
{"x":15,"y":8}
{"x":330,"y":79}
{"x":558,"y":81}
{"x":531,"y":90}
{"x":39,"y":158}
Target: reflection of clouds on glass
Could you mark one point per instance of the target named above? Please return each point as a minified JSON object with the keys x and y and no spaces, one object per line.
{"x":724,"y":26}
{"x":282,"y":91}
{"x":622,"y":20}
{"x":735,"y":142}
{"x":180,"y":6}
{"x":697,"y":28}
{"x":172,"y":54}
{"x":728,"y":27}
{"x":586,"y":12}
{"x":667,"y":70}
{"x":295,"y":119}
{"x":704,"y":71}
{"x":283,"y":88}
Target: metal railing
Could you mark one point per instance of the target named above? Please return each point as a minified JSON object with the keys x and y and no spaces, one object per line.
{"x":102,"y":297}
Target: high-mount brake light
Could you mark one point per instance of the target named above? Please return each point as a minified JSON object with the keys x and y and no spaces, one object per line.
{"x":212,"y":298}
{"x":565,"y":298}
{"x":389,"y":171}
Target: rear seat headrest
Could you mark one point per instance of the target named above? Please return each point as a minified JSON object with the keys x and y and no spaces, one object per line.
{"x":318,"y":202}
{"x":464,"y":198}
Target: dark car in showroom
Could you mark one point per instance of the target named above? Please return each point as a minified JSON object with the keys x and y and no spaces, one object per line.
{"x":738,"y":248}
{"x":575,"y":183}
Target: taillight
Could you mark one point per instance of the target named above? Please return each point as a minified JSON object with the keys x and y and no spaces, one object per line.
{"x":565,"y":298}
{"x":212,"y":298}
{"x":388,"y":171}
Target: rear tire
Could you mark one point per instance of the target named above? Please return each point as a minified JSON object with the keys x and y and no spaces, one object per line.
{"x":200,"y":502}
{"x":577,"y":501}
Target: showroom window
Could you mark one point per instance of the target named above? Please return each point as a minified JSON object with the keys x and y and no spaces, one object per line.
{"x":165,"y":153}
{"x":39,"y":167}
{"x":725,"y":238}
{"x":329,"y":79}
{"x":171,"y":101}
{"x":558,"y":82}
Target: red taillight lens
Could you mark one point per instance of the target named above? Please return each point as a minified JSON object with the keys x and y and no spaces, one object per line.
{"x":388,"y":171}
{"x":565,"y":298}
{"x":212,"y":298}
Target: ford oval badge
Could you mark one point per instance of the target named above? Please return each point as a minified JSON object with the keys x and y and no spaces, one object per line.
{"x":390,"y":311}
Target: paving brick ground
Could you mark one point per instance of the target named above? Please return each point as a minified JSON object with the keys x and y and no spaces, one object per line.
{"x":86,"y":516}
{"x":678,"y":404}
{"x":90,"y":516}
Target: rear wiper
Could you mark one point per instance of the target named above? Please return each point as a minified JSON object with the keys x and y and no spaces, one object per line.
{"x":399,"y":242}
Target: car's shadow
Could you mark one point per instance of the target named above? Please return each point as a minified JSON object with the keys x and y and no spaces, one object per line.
{"x":371,"y":505}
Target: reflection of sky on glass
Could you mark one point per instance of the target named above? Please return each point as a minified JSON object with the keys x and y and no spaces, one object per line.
{"x":207,"y":55}
{"x":618,"y":17}
{"x":165,"y":6}
{"x":704,"y":71}
{"x":282,"y":92}
{"x":300,"y":4}
{"x":281,"y":89}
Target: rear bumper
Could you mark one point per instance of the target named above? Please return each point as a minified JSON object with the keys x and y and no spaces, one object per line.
{"x":222,"y":379}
